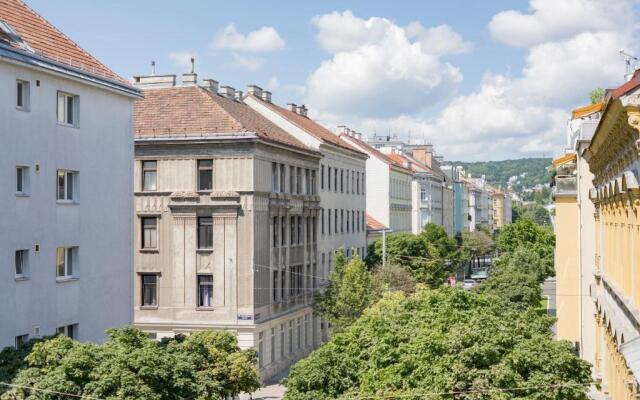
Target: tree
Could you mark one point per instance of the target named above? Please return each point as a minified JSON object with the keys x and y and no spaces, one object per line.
{"x":474,"y":244}
{"x":348,"y":294}
{"x":446,"y":246}
{"x":205,"y":365}
{"x":596,"y":95}
{"x":413,"y":252}
{"x":12,"y":361}
{"x":531,"y":236}
{"x":392,"y":277}
{"x":439,"y":341}
{"x":518,"y":288}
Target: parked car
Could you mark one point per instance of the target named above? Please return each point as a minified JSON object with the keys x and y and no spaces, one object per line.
{"x":468,"y":284}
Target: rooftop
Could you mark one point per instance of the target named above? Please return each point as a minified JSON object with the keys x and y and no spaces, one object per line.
{"x":32,"y":34}
{"x":374,"y":225}
{"x":586,"y":110}
{"x":373,"y":152}
{"x":195,"y":111}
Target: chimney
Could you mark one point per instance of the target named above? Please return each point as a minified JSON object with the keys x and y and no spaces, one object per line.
{"x":302,"y":110}
{"x":211,"y":85}
{"x":423,"y":156}
{"x":266,"y":96}
{"x":239,"y":95}
{"x":255,"y":90}
{"x":190,"y":79}
{"x":292,"y":107}
{"x":228,"y":92}
{"x":154,"y":81}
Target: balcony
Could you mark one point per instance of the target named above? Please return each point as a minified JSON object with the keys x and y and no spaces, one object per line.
{"x":566,"y":185}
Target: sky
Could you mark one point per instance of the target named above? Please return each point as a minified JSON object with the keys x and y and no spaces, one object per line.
{"x":481,"y":80}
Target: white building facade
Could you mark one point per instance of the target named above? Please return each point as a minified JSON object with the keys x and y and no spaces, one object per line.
{"x":66,"y":210}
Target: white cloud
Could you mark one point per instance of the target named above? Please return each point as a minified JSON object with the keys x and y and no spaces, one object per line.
{"x":272,"y":84}
{"x":551,"y":20}
{"x":248,"y":62}
{"x":440,"y":39}
{"x":263,"y":40}
{"x":376,"y":69}
{"x":182,"y":59}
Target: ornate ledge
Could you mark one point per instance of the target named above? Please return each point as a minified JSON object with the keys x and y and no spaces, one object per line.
{"x":225,"y":195}
{"x":185,"y":196}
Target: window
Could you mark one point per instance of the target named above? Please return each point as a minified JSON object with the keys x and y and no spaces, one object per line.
{"x":299,"y":333}
{"x":322,"y":221}
{"x":281,"y":340}
{"x":21,"y":340}
{"x":205,"y":232}
{"x":66,"y":185}
{"x":149,"y":287}
{"x":342,"y":221}
{"x":335,"y":225}
{"x":260,"y":350}
{"x":276,"y":242}
{"x":341,"y":180}
{"x":149,"y":232}
{"x":423,"y":193}
{"x":353,"y":188}
{"x":274,"y":177}
{"x":22,"y":181}
{"x":299,"y":180}
{"x":290,"y":337}
{"x":329,"y":178}
{"x":283,"y":177}
{"x":68,"y":109}
{"x":275,"y":285}
{"x":307,"y":181}
{"x":65,"y":261}
{"x":205,"y":290}
{"x":347,"y":221}
{"x":283,"y":282}
{"x":22,"y":95}
{"x":149,"y":175}
{"x":358,"y":182}
{"x":306,"y":330}
{"x":21,"y":263}
{"x":205,"y":175}
{"x":329,"y":221}
{"x":315,"y":229}
{"x":273,"y":344}
{"x":335,"y":179}
{"x":313,"y":182}
{"x":283,"y":231}
{"x":70,"y":331}
{"x":292,"y":180}
{"x":300,"y":235}
{"x":292,"y":231}
{"x":322,"y":177}
{"x":353,"y":221}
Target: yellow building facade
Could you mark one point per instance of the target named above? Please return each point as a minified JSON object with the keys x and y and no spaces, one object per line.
{"x":613,"y":158}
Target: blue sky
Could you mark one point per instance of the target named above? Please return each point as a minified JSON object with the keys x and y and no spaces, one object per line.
{"x":467,"y":100}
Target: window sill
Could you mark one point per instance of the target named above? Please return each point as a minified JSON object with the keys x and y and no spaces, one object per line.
{"x":64,"y":124}
{"x":22,"y":194}
{"x":63,"y":279}
{"x":149,"y":251}
{"x":67,"y":202}
{"x":204,"y":251}
{"x":205,"y":308}
{"x":23,"y":108}
{"x":21,"y":278}
{"x":148,"y":307}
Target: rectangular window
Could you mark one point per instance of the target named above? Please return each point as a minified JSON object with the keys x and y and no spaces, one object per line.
{"x":149,"y":232}
{"x":292,"y":180}
{"x":66,"y":185}
{"x":341,"y":180}
{"x":65,"y":261}
{"x":21,"y":263}
{"x":329,"y":221}
{"x":347,"y":221}
{"x":353,"y":221}
{"x":149,"y":175}
{"x":292,"y":231}
{"x":329,"y":178}
{"x":283,"y":177}
{"x":307,"y":181}
{"x":273,"y":345}
{"x":21,"y":340}
{"x":290,"y":337}
{"x":281,"y":340}
{"x":260,"y":350}
{"x":205,"y":290}
{"x":299,"y":180}
{"x":342,"y":221}
{"x":322,"y":177}
{"x":347,"y":183}
{"x":353,"y":190}
{"x":205,"y":175}
{"x":275,"y":286}
{"x":300,"y":237}
{"x":298,"y":328}
{"x":205,"y":232}
{"x":274,"y":177}
{"x":22,"y":180}
{"x":358,"y":182}
{"x":315,"y":229}
{"x":335,"y":225}
{"x":22,"y":95}
{"x":276,"y":241}
{"x":68,"y":105}
{"x":149,"y":288}
{"x":283,"y":231}
{"x":70,"y":331}
{"x":283,"y":283}
{"x":335,"y":179}
{"x":322,"y":221}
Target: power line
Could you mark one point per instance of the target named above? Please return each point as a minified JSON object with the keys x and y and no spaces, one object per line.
{"x":31,"y":388}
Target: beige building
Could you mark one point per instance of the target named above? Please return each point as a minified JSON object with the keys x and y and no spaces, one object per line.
{"x":226,"y":226}
{"x":501,"y":208}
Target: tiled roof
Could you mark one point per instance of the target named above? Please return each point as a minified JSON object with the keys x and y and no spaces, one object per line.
{"x":374,"y":225}
{"x":47,"y":41}
{"x":586,"y":110}
{"x":308,"y":125}
{"x":412,"y":163}
{"x":626,"y":87}
{"x":564,"y":159}
{"x":373,"y":152}
{"x":192,"y":110}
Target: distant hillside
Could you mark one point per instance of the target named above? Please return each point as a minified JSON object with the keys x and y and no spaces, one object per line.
{"x":530,"y":171}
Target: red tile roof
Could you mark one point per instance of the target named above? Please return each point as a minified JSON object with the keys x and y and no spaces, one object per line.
{"x":308,"y":125}
{"x":374,"y":225}
{"x":626,"y":87}
{"x":195,"y":111}
{"x":410,"y":162}
{"x":47,"y":41}
{"x":367,"y":148}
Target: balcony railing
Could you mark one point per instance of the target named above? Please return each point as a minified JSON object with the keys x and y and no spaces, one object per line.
{"x":565,"y":185}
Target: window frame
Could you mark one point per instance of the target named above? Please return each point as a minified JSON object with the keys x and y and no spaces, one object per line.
{"x":201,"y":223}
{"x":200,"y":286}
{"x":21,"y":258}
{"x":23,"y":95}
{"x":70,"y":331}
{"x":200,"y":169}
{"x":22,"y":180}
{"x":143,"y":233}
{"x":75,"y":108}
{"x":69,"y":191}
{"x":152,"y":285}
{"x":70,"y":259}
{"x":144,"y":170}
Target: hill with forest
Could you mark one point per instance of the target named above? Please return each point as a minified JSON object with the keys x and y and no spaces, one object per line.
{"x":529,"y":172}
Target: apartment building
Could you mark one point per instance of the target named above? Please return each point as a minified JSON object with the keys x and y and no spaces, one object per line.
{"x":65,"y":166}
{"x":388,"y":185}
{"x":502,"y":213}
{"x":227,"y":218}
{"x":575,"y":235}
{"x":342,"y":178}
{"x":612,"y":156}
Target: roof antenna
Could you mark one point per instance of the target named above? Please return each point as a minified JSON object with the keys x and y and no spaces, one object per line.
{"x":193,"y":65}
{"x":627,"y":61}
{"x":153,"y":68}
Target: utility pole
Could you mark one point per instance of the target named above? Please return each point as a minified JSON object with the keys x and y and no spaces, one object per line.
{"x":384,"y":248}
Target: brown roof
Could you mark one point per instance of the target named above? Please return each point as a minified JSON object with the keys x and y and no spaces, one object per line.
{"x":411,"y":163}
{"x":308,"y":125}
{"x":193,"y":110}
{"x":374,"y":152}
{"x":47,"y":41}
{"x":373,"y":224}
{"x":586,"y":110}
